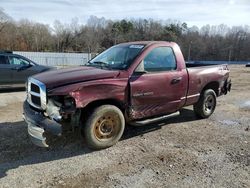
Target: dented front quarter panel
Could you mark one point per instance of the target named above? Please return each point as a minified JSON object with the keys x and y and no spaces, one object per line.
{"x":89,"y":91}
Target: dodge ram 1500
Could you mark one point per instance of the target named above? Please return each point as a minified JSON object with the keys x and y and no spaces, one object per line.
{"x":130,"y":83}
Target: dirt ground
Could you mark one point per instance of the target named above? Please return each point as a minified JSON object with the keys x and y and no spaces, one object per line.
{"x":179,"y":152}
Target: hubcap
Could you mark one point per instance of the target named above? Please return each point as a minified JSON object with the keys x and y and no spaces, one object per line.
{"x":107,"y":126}
{"x":209,"y":103}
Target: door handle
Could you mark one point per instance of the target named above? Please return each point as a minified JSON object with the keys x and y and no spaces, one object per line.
{"x":176,"y":80}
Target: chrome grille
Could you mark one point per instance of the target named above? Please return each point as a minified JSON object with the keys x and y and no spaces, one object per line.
{"x":36,"y":94}
{"x":35,"y":88}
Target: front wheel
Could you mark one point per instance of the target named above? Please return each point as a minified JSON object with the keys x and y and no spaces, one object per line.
{"x":104,"y":127}
{"x":206,"y":104}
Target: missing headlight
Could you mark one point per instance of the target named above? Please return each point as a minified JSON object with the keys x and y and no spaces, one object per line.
{"x":69,"y":102}
{"x":53,"y":110}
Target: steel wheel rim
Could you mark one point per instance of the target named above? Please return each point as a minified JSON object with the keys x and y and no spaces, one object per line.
{"x":107,"y":126}
{"x":209,"y":103}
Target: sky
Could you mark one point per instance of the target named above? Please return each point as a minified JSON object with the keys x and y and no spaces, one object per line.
{"x":193,"y":12}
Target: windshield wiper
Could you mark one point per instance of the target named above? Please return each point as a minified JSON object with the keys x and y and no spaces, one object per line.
{"x":101,"y":63}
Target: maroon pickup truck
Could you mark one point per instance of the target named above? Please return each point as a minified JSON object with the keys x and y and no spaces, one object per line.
{"x":131,"y":83}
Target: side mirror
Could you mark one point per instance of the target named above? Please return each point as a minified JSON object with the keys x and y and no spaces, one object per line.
{"x":140,"y":68}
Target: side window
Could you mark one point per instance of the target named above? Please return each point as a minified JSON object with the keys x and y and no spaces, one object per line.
{"x":160,"y":59}
{"x":17,"y":61}
{"x":3,"y":59}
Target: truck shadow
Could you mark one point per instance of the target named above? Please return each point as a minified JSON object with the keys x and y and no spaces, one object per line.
{"x":186,"y":115}
{"x":17,"y":149}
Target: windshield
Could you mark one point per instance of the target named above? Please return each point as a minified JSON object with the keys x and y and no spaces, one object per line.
{"x":117,"y":57}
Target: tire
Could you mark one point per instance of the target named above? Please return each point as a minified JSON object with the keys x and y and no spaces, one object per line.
{"x":206,"y":104}
{"x":104,"y":127}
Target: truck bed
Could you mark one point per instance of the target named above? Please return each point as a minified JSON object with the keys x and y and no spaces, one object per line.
{"x":188,"y":65}
{"x":202,"y":74}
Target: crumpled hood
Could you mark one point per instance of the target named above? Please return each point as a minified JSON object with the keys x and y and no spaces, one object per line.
{"x":61,"y":77}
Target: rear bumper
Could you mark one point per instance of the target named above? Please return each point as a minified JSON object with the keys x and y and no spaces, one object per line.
{"x":38,"y":125}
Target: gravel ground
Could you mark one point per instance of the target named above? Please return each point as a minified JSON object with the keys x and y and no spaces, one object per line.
{"x":179,"y":152}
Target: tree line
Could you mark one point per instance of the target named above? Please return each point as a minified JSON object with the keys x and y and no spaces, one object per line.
{"x":219,"y":42}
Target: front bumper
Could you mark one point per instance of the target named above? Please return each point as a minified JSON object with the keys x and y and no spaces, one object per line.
{"x":227,"y":87}
{"x":38,"y":125}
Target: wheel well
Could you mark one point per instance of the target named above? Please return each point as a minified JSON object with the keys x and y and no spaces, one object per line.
{"x":87,"y":109}
{"x":212,"y":85}
{"x":105,"y":101}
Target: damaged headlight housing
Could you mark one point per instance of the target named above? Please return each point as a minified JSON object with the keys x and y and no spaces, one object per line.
{"x":53,"y":111}
{"x":57,"y":106}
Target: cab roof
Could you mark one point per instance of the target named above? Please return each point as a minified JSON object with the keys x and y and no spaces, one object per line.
{"x":6,"y":52}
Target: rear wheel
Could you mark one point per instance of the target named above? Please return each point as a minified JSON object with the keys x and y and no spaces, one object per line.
{"x":104,"y":127}
{"x":206,"y":104}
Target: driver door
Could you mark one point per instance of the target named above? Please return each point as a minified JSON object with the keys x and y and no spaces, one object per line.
{"x":158,"y":87}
